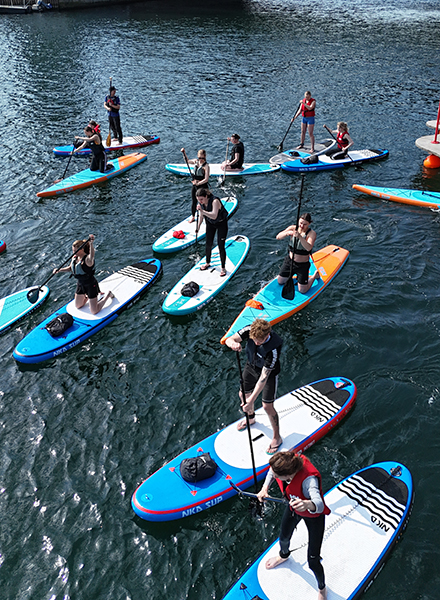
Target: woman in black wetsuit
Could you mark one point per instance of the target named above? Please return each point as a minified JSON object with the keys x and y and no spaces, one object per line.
{"x":93,"y":140}
{"x":216,"y":216}
{"x":82,"y":267}
{"x":200,"y":178}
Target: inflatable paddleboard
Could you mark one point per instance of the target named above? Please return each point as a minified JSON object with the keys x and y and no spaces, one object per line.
{"x":135,"y":141}
{"x":17,"y":306}
{"x":168,"y":243}
{"x":216,"y":170}
{"x":288,"y":155}
{"x":414,"y":197}
{"x":87,"y":177}
{"x":354,"y":157}
{"x":369,"y":513}
{"x":2,"y":246}
{"x":269,"y":304}
{"x":209,"y":281}
{"x":127,"y":285}
{"x":306,"y":415}
{"x":432,"y":124}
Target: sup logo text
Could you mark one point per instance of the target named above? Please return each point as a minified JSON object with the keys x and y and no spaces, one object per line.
{"x":379,"y":523}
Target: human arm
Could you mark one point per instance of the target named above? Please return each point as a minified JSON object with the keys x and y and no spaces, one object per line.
{"x":264,"y":492}
{"x":234,"y":342}
{"x":62,"y":270}
{"x":288,"y":232}
{"x":349,"y":140}
{"x":314,"y":503}
{"x":90,"y":258}
{"x":216,"y":206}
{"x":307,"y":239}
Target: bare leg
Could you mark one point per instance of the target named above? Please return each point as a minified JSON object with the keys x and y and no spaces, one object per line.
{"x":282,"y":280}
{"x":312,"y":137}
{"x":80,"y":300}
{"x":96,"y":306}
{"x":322,"y":594}
{"x":303,"y":288}
{"x":275,"y":423}
{"x":249,"y":409}
{"x":303,"y":133}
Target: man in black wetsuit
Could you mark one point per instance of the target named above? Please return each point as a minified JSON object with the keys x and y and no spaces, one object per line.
{"x":260,"y":373}
{"x":112,"y":105}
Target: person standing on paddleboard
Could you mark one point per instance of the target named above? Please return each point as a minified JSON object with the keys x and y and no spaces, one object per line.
{"x":300,"y":483}
{"x":112,"y":105}
{"x":236,"y":159}
{"x":216,"y":216}
{"x":306,"y":238}
{"x":93,"y":140}
{"x":343,"y":140}
{"x":82,"y":267}
{"x":307,"y":109}
{"x":200,"y":178}
{"x":260,"y":373}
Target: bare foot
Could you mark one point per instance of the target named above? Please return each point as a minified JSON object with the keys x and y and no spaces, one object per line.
{"x":191,"y":220}
{"x":273,"y":562}
{"x":322,"y":594}
{"x":243,"y":425}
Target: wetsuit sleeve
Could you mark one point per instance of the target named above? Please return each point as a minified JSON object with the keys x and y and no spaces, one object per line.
{"x":244,"y":333}
{"x":269,"y":478}
{"x":310,"y":488}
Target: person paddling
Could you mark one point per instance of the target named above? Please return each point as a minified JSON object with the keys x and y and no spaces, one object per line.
{"x":112,"y":105}
{"x":216,"y":216}
{"x":82,"y":267}
{"x":307,"y":109}
{"x":93,"y":140}
{"x":343,"y":140}
{"x":300,"y":483}
{"x":260,"y":373}
{"x":200,"y":178}
{"x":306,"y":238}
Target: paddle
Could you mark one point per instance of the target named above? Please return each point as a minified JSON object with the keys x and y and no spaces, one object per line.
{"x":288,"y":291}
{"x":255,"y":507}
{"x":33,"y":293}
{"x":249,"y":495}
{"x":67,"y":166}
{"x":221,"y":179}
{"x":108,"y":141}
{"x":358,"y":167}
{"x":280,"y":145}
{"x":191,"y":174}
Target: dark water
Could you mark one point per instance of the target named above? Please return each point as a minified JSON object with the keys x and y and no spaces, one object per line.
{"x":80,"y":433}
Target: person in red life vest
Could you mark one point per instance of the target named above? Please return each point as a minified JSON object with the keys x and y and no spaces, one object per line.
{"x":307,"y":109}
{"x":300,"y":483}
{"x":343,"y":139}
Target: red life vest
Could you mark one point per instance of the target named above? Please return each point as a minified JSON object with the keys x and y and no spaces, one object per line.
{"x":294,"y":488}
{"x":305,"y":110}
{"x":342,"y":142}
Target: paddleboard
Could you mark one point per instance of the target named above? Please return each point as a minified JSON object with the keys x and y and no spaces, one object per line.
{"x":128,"y":285}
{"x":168,"y":243}
{"x":288,"y":155}
{"x":369,"y":513}
{"x":87,"y":177}
{"x":414,"y":197}
{"x":2,"y":246}
{"x":355,"y":157}
{"x":216,"y":170}
{"x":135,"y":141}
{"x":306,"y":415}
{"x":269,"y":304}
{"x":209,"y":281}
{"x":432,"y":124}
{"x":17,"y":306}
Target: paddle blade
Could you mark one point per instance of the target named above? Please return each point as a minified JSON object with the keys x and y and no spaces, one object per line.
{"x":255,"y":508}
{"x":108,"y":141}
{"x":288,"y":291}
{"x":33,"y":295}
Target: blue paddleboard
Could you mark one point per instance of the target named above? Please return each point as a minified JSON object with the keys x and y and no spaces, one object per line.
{"x":210,"y":281}
{"x":369,"y":512}
{"x":167,"y":243}
{"x":17,"y":306}
{"x":306,"y":415}
{"x":324,"y":162}
{"x":127,"y":285}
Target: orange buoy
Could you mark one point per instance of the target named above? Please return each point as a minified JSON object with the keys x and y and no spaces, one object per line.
{"x":432,"y":162}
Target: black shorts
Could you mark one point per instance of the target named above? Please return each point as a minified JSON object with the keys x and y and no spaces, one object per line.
{"x":301,"y":269}
{"x":88,"y":288}
{"x":250,"y":378}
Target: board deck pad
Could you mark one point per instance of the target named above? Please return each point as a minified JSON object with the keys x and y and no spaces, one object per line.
{"x":287,"y":155}
{"x":412,"y":197}
{"x":210,"y":281}
{"x":369,"y":511}
{"x":269,"y":304}
{"x":215,"y":170}
{"x":326,"y":162}
{"x":127,"y":284}
{"x":167,"y":243}
{"x":131,"y":141}
{"x":16,"y":306}
{"x":87,"y":177}
{"x":306,"y":415}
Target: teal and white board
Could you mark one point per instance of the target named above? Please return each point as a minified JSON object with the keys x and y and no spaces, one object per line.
{"x":216,"y":170}
{"x":167,"y":243}
{"x":369,"y":512}
{"x":209,"y":280}
{"x":17,"y":306}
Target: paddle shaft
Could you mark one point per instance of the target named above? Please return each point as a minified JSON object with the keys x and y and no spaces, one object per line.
{"x":331,"y":133}
{"x":67,"y":166}
{"x":280,"y":146}
{"x":108,"y":141}
{"x":222,"y":180}
{"x":289,"y":287}
{"x":248,"y":425}
{"x":250,"y":495}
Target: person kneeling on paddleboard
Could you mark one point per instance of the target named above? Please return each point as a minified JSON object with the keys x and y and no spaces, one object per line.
{"x":343,"y":139}
{"x":82,"y":267}
{"x":212,"y":210}
{"x":299,"y":253}
{"x":260,"y":373}
{"x":300,"y":483}
{"x":93,"y":140}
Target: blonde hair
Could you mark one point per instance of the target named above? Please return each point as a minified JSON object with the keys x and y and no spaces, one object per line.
{"x":84,"y":243}
{"x":343,"y":125}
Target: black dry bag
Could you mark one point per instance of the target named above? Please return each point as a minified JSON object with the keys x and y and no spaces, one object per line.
{"x":60,"y":324}
{"x":310,"y":160}
{"x":190,"y":289}
{"x":197,"y":468}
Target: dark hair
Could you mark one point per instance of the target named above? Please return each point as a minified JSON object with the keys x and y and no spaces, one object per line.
{"x":286,"y":463}
{"x":236,"y":136}
{"x":307,"y":217}
{"x":202,"y":192}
